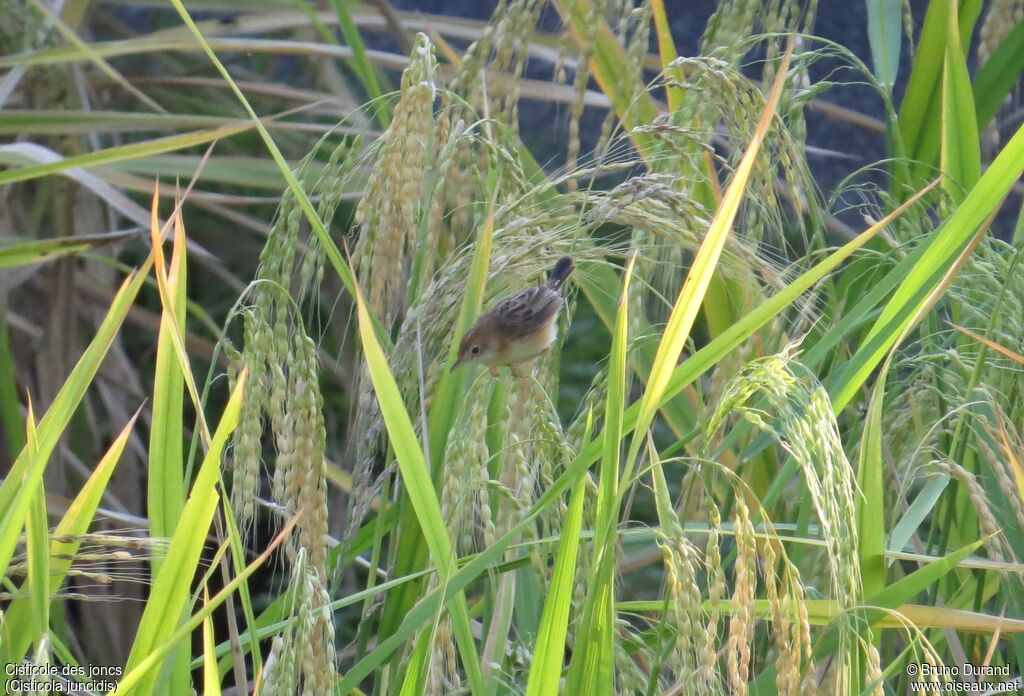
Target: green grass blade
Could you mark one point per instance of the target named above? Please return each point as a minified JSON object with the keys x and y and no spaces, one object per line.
{"x":41,"y":251}
{"x":870,"y":503}
{"x":211,"y":676}
{"x":885,"y":35}
{"x":591,"y":670}
{"x":75,"y":523}
{"x":121,"y":153}
{"x":688,"y":304}
{"x":549,"y":650}
{"x":28,"y":468}
{"x":916,"y":513}
{"x":419,"y":487}
{"x":869,"y":508}
{"x":166,"y":484}
{"x":942,"y":248}
{"x":176,"y":330}
{"x":134,"y":677}
{"x":170,"y":592}
{"x":919,"y":129}
{"x":166,"y":495}
{"x":960,"y":154}
{"x":37,"y":551}
{"x":921,"y":94}
{"x":999,"y":76}
{"x":416,"y":666}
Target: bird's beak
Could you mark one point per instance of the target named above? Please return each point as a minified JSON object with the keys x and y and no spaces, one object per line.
{"x":457,"y":363}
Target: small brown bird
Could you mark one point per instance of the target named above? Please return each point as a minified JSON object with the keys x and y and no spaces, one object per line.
{"x":519,"y":328}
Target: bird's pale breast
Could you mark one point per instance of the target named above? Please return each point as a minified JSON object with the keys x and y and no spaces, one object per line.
{"x":530,"y":346}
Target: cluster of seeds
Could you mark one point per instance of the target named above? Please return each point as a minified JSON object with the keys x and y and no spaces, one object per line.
{"x":1002,"y":459}
{"x":803,"y":423}
{"x":791,"y":628}
{"x":388,"y":217}
{"x":464,"y":490}
{"x":680,"y":559}
{"x":282,"y":395}
{"x":299,"y":477}
{"x":741,"y":623}
{"x":388,"y":212}
{"x":991,"y":530}
{"x":301,"y":658}
{"x":796,"y":412}
{"x":443,"y":672}
{"x":490,"y":71}
{"x":95,"y":561}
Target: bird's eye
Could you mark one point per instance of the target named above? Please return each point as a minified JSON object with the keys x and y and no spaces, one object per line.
{"x":475,"y":350}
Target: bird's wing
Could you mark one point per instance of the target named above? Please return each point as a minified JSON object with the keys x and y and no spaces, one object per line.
{"x":526,"y":312}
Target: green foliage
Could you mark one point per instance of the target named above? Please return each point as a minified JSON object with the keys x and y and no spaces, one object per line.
{"x":756,"y":458}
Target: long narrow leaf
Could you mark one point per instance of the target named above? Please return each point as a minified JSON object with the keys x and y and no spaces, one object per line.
{"x":548,"y":653}
{"x":37,"y":551}
{"x":75,"y":523}
{"x":687,"y":305}
{"x":940,"y":252}
{"x":40,"y":251}
{"x":166,"y":440}
{"x":175,"y":332}
{"x":120,"y":153}
{"x":134,"y":677}
{"x":419,"y":486}
{"x":960,"y":155}
{"x":593,"y":656}
{"x":885,"y":35}
{"x":169,"y":594}
{"x":28,"y":468}
{"x":999,"y":76}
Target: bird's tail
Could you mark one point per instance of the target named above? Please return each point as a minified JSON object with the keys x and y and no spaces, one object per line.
{"x":559,"y":272}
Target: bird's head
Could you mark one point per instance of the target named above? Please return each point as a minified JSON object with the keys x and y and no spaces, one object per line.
{"x":479,"y":345}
